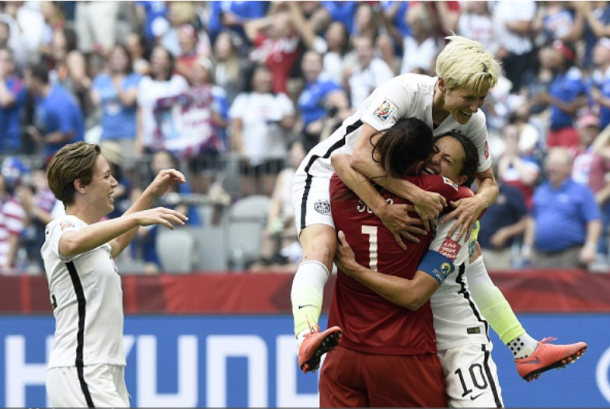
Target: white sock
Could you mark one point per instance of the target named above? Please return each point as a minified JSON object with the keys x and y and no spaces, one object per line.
{"x":306,"y":295}
{"x":522,"y":346}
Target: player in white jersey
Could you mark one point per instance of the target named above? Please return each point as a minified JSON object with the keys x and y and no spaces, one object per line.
{"x":448,"y":102}
{"x":86,"y":367}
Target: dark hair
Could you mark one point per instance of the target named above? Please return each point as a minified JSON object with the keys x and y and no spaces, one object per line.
{"x":72,"y":162}
{"x":407,"y":142}
{"x":470,"y":166}
{"x":249,"y":86}
{"x":40,"y":71}
{"x":71,"y":39}
{"x":172,"y":62}
{"x":129,"y":68}
{"x":346,"y":40}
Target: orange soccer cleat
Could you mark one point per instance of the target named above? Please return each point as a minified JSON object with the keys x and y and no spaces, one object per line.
{"x":548,"y":356}
{"x":315,"y":345}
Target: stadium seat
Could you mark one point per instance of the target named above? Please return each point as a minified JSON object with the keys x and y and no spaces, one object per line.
{"x":247,"y":219}
{"x":177,"y":250}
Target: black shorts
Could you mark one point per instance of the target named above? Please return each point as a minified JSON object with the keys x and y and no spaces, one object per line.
{"x":268,"y":167}
{"x":206,"y":162}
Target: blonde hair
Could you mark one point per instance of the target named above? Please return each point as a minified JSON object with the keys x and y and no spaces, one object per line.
{"x":465,"y":63}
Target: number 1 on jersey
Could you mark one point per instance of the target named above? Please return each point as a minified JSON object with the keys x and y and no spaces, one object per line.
{"x":372,"y":233}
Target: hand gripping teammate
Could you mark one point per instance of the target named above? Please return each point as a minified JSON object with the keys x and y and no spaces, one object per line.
{"x":449,"y":102}
{"x":86,"y":367}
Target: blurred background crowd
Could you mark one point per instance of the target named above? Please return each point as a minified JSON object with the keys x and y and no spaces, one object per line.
{"x":235,"y":93}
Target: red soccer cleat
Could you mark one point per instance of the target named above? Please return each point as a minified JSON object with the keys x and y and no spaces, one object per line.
{"x":315,"y":345}
{"x":548,"y":356}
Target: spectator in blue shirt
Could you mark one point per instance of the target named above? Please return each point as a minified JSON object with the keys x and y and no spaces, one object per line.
{"x":567,"y":93}
{"x":343,"y":11}
{"x":143,"y":246}
{"x":596,"y":19}
{"x":233,"y":15}
{"x":58,"y":120}
{"x":320,"y":99}
{"x":502,"y":224}
{"x":566,"y":222}
{"x":116,"y":92}
{"x":148,"y":13}
{"x":12,"y":100}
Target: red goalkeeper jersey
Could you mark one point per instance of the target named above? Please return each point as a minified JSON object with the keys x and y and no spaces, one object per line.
{"x":370,"y":323}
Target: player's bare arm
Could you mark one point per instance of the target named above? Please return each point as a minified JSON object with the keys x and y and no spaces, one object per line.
{"x":157,"y":188}
{"x":469,"y":210}
{"x":97,"y":234}
{"x":410,"y":294}
{"x":394,"y":216}
{"x":428,"y":205}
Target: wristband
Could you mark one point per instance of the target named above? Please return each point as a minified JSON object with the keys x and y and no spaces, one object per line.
{"x":436,"y":266}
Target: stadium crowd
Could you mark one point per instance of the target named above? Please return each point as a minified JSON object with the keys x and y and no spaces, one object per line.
{"x":241,"y":91}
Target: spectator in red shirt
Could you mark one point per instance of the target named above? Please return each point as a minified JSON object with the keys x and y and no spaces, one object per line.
{"x":276,"y":45}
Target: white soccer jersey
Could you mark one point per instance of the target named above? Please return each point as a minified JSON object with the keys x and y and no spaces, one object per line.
{"x":404,"y":96}
{"x":457,"y":319}
{"x":87,"y":301}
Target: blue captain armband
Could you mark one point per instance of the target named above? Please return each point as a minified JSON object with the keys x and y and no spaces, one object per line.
{"x":436,"y":266}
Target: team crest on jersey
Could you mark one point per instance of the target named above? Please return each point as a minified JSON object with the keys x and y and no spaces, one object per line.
{"x":322,"y":207}
{"x":450,"y":249}
{"x":450,"y":183}
{"x":384,"y":111}
{"x":65,"y":224}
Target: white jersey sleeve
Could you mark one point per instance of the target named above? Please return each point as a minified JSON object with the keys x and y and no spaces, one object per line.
{"x":57,"y":228}
{"x":456,"y":251}
{"x":477,"y":133}
{"x":457,"y":319}
{"x":389,"y":103}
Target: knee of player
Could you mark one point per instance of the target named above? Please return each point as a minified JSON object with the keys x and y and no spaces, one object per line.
{"x":323,"y":251}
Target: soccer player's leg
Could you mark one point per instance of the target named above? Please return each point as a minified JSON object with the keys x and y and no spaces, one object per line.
{"x":531,"y":357}
{"x":319,"y":243}
{"x":471,"y":376}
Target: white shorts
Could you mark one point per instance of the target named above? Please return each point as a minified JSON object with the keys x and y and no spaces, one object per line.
{"x":311,"y":182}
{"x":97,"y":386}
{"x":471,"y":376}
{"x":311,"y":201}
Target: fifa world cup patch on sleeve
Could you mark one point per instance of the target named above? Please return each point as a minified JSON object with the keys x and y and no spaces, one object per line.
{"x":450,"y":249}
{"x":384,"y":111}
{"x":450,"y":183}
{"x":65,"y":224}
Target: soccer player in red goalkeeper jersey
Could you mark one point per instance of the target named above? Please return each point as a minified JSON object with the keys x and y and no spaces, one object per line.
{"x":388,"y":352}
